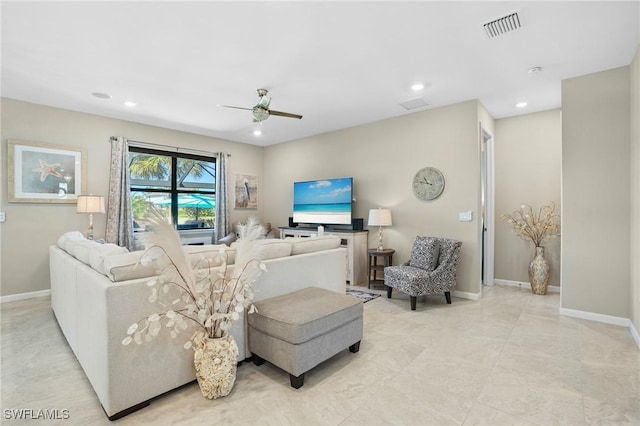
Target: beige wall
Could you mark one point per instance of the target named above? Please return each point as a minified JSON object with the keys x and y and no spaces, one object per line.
{"x":527,"y":153}
{"x":595,"y":193}
{"x":635,"y":191}
{"x":383,"y":157}
{"x":31,"y":228}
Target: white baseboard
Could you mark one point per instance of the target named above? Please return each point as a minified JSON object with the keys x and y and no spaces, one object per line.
{"x":592,"y":316}
{"x":520,"y":284}
{"x":23,"y":296}
{"x":607,"y":319}
{"x":634,"y":334}
{"x":465,"y":295}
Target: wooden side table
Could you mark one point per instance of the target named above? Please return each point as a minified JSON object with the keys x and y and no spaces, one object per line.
{"x":374,"y":254}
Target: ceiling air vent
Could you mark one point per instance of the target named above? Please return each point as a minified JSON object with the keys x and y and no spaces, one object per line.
{"x":502,"y":25}
{"x":414,"y":103}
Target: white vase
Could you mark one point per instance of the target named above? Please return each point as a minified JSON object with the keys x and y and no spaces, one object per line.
{"x":216,"y":362}
{"x":539,"y":272}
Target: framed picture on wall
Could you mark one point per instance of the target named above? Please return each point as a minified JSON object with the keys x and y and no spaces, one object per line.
{"x":45,"y":173}
{"x":246,"y":191}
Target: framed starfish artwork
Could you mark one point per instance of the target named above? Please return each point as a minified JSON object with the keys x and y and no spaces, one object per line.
{"x":45,"y":173}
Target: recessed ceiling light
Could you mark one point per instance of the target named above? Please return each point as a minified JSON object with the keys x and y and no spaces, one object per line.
{"x":130,"y":104}
{"x":521,"y":104}
{"x":101,"y":95}
{"x":257,"y":132}
{"x":417,"y":86}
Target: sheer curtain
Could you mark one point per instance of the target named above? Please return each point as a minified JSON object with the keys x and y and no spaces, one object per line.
{"x":119,"y":215}
{"x":222,"y":204}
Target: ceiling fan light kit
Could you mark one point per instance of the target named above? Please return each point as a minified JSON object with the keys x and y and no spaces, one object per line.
{"x":261,"y":110}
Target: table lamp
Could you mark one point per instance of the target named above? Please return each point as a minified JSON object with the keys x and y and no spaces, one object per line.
{"x":90,"y":204}
{"x":380,"y":217}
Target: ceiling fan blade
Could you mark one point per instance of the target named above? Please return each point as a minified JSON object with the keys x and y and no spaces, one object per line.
{"x":284,"y":114}
{"x":235,"y":107}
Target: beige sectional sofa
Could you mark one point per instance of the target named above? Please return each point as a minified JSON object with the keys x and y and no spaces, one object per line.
{"x":98,"y":290}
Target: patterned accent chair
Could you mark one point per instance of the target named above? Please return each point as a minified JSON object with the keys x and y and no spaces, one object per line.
{"x":431,"y":269}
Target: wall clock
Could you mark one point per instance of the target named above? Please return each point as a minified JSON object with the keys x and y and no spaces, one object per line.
{"x":428,"y":183}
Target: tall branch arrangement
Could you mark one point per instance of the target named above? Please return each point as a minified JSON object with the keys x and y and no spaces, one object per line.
{"x":212,"y":297}
{"x":534,"y":226}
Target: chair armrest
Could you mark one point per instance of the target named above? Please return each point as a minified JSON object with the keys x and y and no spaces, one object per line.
{"x":449,"y":263}
{"x":228,"y":239}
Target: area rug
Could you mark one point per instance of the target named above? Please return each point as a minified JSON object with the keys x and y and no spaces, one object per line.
{"x":363,"y":295}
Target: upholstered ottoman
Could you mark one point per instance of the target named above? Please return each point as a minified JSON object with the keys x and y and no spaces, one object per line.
{"x":299,"y":330}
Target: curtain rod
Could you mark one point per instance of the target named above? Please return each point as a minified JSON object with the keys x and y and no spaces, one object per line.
{"x":150,"y":145}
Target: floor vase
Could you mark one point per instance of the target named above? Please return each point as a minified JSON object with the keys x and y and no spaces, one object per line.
{"x":539,"y":272}
{"x":216,"y":364}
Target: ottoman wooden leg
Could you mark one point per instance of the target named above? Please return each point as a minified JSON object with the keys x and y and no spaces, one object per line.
{"x":355,"y":347}
{"x":413,"y":300}
{"x":389,"y":290}
{"x":296,"y":382}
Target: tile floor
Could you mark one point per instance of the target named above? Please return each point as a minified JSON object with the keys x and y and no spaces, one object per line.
{"x":507,"y":359}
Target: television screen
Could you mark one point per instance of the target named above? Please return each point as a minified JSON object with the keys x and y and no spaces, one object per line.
{"x":324,"y":202}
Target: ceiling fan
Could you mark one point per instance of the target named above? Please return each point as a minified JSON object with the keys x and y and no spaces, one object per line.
{"x":261,"y":110}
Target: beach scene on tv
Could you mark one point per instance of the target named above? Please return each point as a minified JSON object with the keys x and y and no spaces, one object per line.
{"x":323,"y":201}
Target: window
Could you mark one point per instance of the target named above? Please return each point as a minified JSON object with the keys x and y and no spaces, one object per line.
{"x":182,"y":187}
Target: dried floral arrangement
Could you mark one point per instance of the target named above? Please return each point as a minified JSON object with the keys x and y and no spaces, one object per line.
{"x":213,"y":297}
{"x":534,"y":226}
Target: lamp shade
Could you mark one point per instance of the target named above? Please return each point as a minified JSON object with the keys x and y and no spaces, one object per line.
{"x":90,"y":204}
{"x":380,"y":217}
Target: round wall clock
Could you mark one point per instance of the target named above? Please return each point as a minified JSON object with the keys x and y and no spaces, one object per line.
{"x":428,"y":183}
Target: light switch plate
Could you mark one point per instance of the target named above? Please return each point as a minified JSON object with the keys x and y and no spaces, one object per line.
{"x":3,"y":216}
{"x":465,"y":216}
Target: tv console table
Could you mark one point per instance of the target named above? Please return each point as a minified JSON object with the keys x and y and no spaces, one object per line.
{"x":354,"y":241}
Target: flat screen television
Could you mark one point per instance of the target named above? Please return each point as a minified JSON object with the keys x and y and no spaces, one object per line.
{"x":323,"y":202}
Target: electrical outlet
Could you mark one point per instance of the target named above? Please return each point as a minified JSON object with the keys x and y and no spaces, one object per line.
{"x":3,"y":217}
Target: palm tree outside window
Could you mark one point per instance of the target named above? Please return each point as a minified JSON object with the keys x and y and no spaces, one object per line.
{"x":181,"y":186}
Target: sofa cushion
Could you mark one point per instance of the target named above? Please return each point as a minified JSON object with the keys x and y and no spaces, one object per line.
{"x":214,"y":254}
{"x":309,"y":245}
{"x":81,"y":249}
{"x":425,"y":253}
{"x":98,"y":253}
{"x":123,"y":267}
{"x":231,"y":255}
{"x":266,"y":249}
{"x":272,"y":248}
{"x":73,"y":235}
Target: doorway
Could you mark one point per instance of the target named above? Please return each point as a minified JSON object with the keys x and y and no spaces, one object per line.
{"x":487,"y":209}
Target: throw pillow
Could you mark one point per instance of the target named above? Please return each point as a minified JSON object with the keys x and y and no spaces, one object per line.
{"x":97,"y":254}
{"x":66,"y":237}
{"x":206,"y":255}
{"x":81,"y":249}
{"x":425,"y":253}
{"x":124,"y":267}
